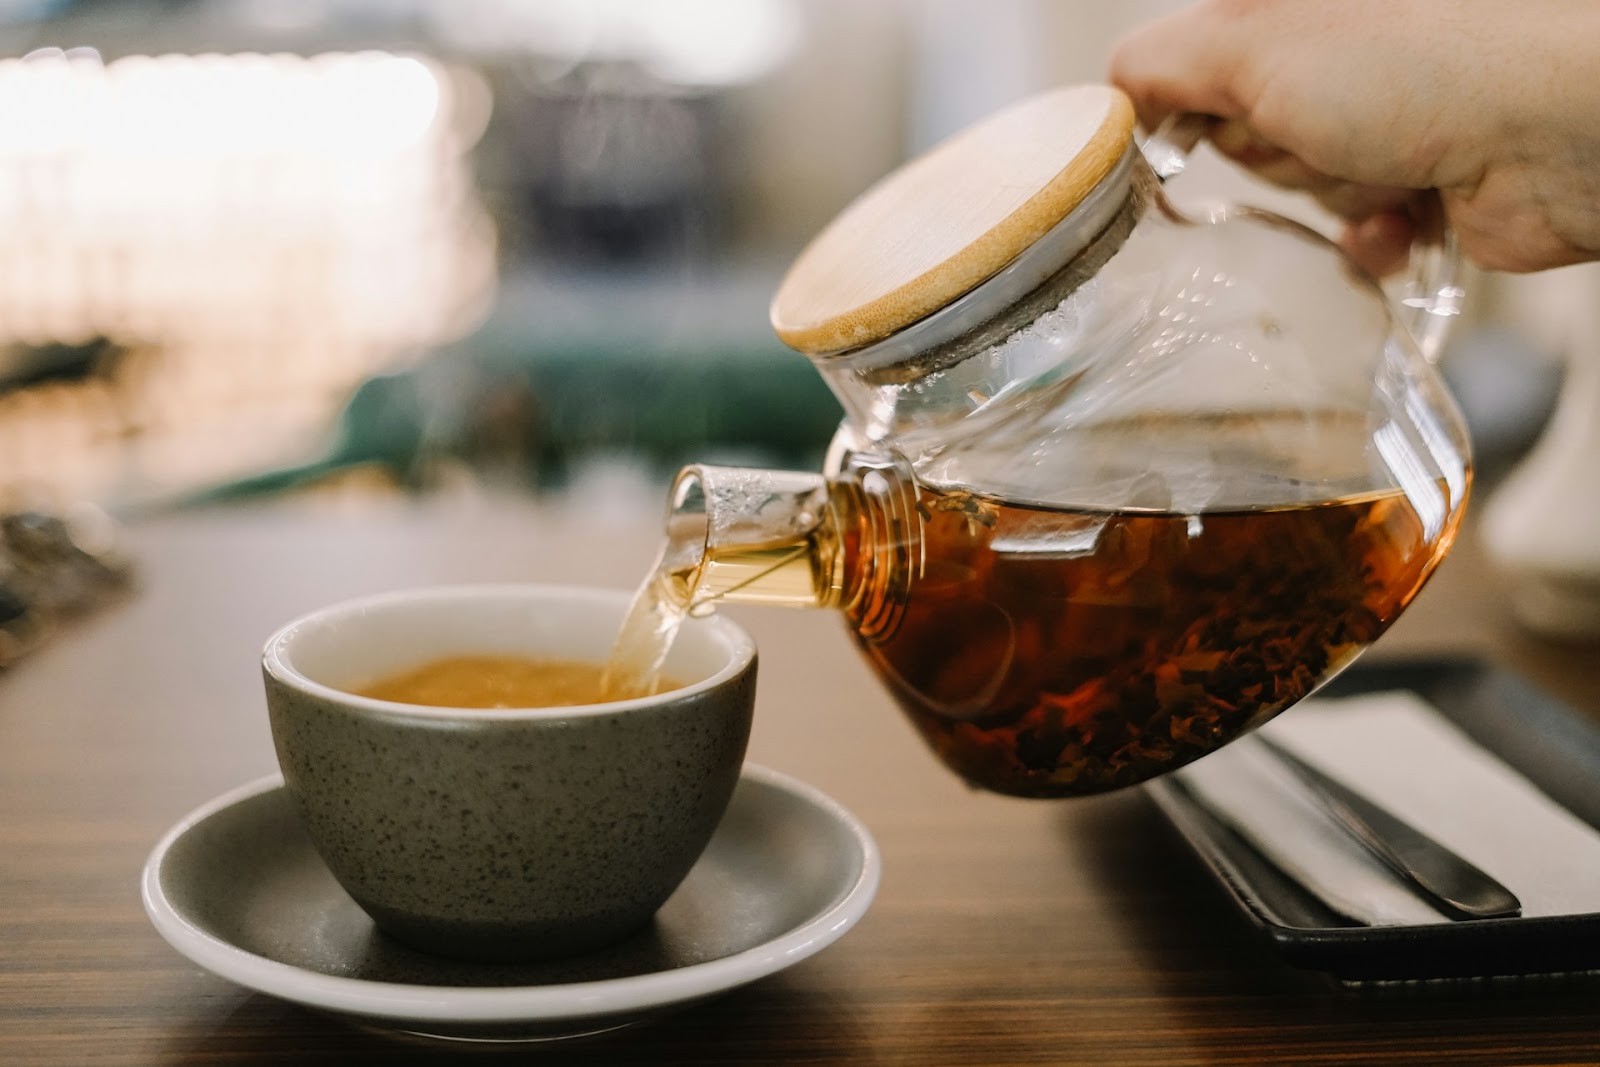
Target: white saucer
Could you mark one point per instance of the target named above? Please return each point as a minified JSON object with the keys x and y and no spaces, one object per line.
{"x":237,"y":888}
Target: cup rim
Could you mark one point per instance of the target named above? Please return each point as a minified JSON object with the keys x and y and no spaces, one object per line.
{"x":275,"y":662}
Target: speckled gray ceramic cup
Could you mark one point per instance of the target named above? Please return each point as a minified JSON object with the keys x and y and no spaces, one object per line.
{"x":505,"y":834}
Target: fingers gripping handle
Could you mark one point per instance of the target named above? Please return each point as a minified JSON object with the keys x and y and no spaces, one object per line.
{"x":1430,"y":297}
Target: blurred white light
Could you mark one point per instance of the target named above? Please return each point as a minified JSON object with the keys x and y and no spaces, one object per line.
{"x":262,"y":231}
{"x":690,"y":43}
{"x":717,"y":42}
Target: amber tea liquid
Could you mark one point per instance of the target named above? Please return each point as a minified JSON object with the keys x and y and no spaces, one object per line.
{"x":1051,"y":650}
{"x":1055,"y":652}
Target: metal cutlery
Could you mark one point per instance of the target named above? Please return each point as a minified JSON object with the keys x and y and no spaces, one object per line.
{"x":1450,"y":883}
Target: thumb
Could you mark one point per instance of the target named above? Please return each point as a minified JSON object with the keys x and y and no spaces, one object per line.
{"x":1190,"y":60}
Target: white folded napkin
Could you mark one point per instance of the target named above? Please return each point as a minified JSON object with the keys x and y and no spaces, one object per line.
{"x":1398,"y":751}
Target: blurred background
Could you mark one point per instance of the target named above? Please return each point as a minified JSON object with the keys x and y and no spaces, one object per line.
{"x":373,"y":247}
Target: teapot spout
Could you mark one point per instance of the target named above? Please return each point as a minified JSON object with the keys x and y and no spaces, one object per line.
{"x":760,"y":536}
{"x":795,"y":539}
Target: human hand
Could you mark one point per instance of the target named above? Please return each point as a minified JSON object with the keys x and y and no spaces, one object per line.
{"x":1374,"y":106}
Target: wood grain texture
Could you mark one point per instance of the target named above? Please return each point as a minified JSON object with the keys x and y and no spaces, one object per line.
{"x":947,"y":220}
{"x":1006,"y":932}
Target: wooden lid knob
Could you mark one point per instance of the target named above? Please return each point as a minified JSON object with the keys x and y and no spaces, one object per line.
{"x":947,"y":220}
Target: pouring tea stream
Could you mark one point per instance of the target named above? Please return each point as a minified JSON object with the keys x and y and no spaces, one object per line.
{"x":1114,"y":485}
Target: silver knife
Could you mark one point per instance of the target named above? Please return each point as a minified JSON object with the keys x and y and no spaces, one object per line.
{"x":1449,"y":882}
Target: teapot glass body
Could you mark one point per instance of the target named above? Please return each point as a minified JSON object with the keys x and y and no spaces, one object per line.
{"x":1126,"y":500}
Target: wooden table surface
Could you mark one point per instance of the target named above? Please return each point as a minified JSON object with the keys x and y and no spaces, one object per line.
{"x":1005,"y":931}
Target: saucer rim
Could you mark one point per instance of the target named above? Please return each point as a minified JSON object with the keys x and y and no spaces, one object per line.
{"x":414,"y":1002}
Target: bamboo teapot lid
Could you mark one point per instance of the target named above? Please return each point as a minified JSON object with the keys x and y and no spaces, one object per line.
{"x":941,"y":224}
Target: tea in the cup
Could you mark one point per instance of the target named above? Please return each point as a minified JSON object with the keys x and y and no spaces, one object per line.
{"x":498,"y":681}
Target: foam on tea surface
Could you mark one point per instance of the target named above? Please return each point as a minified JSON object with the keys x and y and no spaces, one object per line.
{"x":490,"y":681}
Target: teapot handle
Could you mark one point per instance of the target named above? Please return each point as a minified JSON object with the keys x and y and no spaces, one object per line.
{"x":1431,"y":293}
{"x":1169,"y":144}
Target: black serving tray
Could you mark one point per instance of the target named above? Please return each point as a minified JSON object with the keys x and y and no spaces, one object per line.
{"x":1547,"y":742}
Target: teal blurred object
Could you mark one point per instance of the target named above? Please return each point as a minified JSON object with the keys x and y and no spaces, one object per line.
{"x":669,"y":365}
{"x":668,"y":412}
{"x":662,"y":371}
{"x":383,"y":422}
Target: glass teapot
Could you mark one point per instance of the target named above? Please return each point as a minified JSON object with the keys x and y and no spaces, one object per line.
{"x":1114,"y":485}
